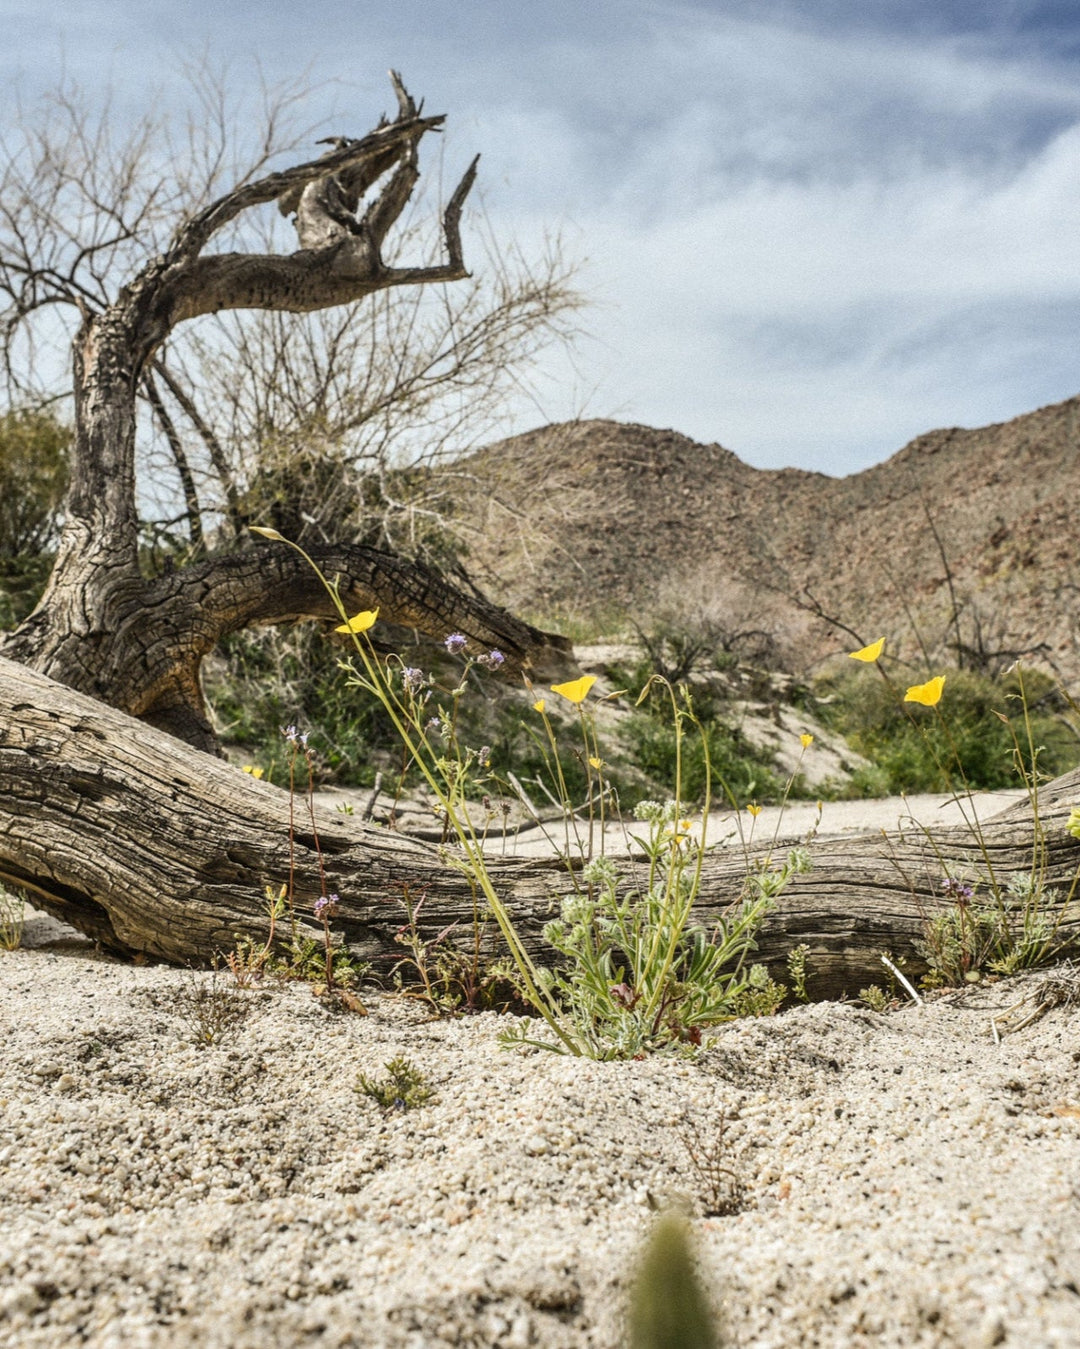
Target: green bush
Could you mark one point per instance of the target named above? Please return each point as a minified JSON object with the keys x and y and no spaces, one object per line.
{"x":33,"y":480}
{"x":913,"y":750}
{"x":264,"y":680}
{"x":737,"y":765}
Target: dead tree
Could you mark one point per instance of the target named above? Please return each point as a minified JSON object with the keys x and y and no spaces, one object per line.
{"x":149,"y":846}
{"x":103,"y":629}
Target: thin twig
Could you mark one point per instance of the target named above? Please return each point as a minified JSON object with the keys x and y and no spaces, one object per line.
{"x":903,"y":978}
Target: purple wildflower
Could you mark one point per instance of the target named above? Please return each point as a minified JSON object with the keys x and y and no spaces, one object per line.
{"x":412,"y":678}
{"x":492,"y":660}
{"x":326,"y":906}
{"x":954,"y":888}
{"x":297,"y":739}
{"x":456,"y":643}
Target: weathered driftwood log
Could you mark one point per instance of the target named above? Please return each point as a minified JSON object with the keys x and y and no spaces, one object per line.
{"x":150,"y":846}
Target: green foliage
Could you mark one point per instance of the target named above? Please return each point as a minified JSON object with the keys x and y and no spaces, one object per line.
{"x":496,"y":717}
{"x":742,"y":772}
{"x":264,"y":680}
{"x":33,"y":480}
{"x":761,"y":995}
{"x":450,"y":978}
{"x":22,"y":580}
{"x":305,"y":958}
{"x":668,"y":1306}
{"x":636,"y":977}
{"x":957,"y":944}
{"x":211,"y":1011}
{"x":274,"y":677}
{"x":797,"y":969}
{"x":403,"y":1087}
{"x":745,"y":771}
{"x":913,"y":750}
{"x":997,"y":933}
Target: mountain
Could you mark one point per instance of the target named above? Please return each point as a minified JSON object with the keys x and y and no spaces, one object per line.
{"x":965,"y":538}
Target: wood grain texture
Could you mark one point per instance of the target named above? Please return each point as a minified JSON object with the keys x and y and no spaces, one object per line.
{"x":150,"y":846}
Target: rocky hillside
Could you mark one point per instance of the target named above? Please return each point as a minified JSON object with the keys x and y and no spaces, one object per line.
{"x":592,"y":522}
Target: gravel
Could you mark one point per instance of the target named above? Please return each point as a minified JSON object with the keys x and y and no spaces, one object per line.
{"x":905,"y":1179}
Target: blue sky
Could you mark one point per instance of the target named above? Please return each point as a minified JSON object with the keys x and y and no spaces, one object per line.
{"x":811,"y":231}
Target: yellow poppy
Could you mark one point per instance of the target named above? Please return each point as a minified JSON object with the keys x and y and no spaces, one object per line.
{"x":360,"y":623}
{"x":806,"y":741}
{"x":754,"y":810}
{"x":255,"y":772}
{"x":594,"y":762}
{"x":929,"y":694}
{"x":538,"y":706}
{"x":870,"y":653}
{"x":576,"y":690}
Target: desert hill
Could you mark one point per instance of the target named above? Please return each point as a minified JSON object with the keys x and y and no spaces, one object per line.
{"x":593,"y":521}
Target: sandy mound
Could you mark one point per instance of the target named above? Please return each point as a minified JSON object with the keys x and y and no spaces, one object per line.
{"x":908,"y":1181}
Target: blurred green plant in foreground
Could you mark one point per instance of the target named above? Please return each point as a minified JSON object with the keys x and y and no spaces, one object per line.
{"x":668,"y":1306}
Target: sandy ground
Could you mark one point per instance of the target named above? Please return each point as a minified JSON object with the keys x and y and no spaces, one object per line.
{"x":791,"y":821}
{"x":907,"y":1179}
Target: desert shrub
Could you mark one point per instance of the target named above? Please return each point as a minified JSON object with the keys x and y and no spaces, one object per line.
{"x":264,"y":680}
{"x":12,"y":919}
{"x":404,"y":1086}
{"x":738,"y":766}
{"x":911,"y":752}
{"x":33,"y":480}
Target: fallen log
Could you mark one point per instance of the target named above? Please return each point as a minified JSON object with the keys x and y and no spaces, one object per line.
{"x":150,"y":846}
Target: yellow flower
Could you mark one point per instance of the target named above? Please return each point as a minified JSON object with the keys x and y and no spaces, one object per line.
{"x":929,"y":694}
{"x":870,"y":653}
{"x":594,"y":762}
{"x":576,"y":690}
{"x":679,"y":831}
{"x":538,"y":706}
{"x":360,"y":623}
{"x":255,"y":772}
{"x":754,"y":810}
{"x":806,"y":741}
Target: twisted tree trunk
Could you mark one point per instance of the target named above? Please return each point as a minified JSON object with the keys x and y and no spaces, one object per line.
{"x":103,"y":629}
{"x":149,"y":846}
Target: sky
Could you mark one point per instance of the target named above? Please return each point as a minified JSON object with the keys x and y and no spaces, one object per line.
{"x":808,"y":231}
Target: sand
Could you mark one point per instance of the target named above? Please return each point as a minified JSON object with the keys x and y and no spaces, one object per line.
{"x":905,"y":1178}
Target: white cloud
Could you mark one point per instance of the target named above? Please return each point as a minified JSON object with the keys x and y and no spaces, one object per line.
{"x":808,"y":245}
{"x":826,"y":247}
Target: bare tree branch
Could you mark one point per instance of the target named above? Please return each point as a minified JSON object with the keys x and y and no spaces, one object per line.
{"x":183,"y":468}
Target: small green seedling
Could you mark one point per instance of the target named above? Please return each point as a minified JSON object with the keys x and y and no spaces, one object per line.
{"x":403,"y":1087}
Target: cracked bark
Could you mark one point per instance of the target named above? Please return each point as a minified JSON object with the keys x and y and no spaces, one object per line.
{"x":149,"y":846}
{"x":101,"y":628}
